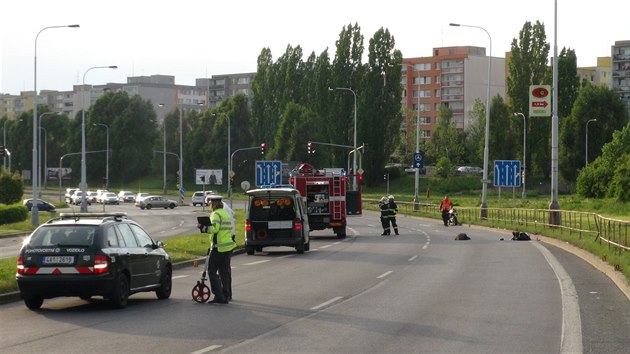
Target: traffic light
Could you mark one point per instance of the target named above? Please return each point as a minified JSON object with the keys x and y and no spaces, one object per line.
{"x":232,"y":181}
{"x":2,"y":151}
{"x":365,"y":147}
{"x":309,"y":146}
{"x":263,"y":148}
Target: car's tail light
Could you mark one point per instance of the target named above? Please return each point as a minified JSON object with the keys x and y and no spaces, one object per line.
{"x":248,"y":225}
{"x":100,"y":264}
{"x":20,"y":265}
{"x":297,"y":224}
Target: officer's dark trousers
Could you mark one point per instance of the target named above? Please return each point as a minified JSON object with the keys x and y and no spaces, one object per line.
{"x":216,"y":264}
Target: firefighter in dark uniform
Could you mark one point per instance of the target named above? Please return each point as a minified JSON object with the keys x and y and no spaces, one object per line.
{"x":384,"y":206}
{"x":393,"y":210}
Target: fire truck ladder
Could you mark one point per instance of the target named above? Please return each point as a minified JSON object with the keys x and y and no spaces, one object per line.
{"x":336,"y":192}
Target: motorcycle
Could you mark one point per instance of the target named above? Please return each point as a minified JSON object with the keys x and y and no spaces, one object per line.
{"x":452,"y":217}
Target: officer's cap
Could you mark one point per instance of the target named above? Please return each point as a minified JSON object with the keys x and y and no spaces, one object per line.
{"x":214,"y":197}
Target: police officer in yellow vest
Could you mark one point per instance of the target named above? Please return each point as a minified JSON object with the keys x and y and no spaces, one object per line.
{"x":222,"y":246}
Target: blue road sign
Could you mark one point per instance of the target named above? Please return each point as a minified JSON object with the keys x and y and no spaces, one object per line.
{"x":418,"y":160}
{"x":507,"y":173}
{"x":268,"y":172}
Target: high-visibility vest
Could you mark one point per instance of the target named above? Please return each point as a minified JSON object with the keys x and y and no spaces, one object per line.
{"x":221,"y":231}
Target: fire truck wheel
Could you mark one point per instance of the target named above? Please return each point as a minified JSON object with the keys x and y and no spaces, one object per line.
{"x":250,"y":250}
{"x":300,"y":248}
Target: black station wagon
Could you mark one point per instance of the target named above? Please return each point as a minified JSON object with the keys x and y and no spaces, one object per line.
{"x":97,"y":254}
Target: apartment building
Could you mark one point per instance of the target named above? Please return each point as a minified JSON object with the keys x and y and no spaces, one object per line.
{"x":454,"y":77}
{"x":621,"y":70}
{"x":599,"y":74}
{"x":161,"y":90}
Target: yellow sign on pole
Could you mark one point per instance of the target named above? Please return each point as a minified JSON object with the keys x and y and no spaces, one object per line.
{"x":539,"y":100}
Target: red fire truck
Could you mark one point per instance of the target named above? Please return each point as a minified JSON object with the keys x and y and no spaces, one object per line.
{"x":325,"y":195}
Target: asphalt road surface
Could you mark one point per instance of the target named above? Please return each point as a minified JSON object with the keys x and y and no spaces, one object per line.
{"x":418,"y":292}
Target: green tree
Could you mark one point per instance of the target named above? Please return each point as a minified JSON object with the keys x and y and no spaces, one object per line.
{"x":475,"y":134}
{"x":593,"y":102}
{"x":129,"y":120}
{"x":502,"y":144}
{"x":594,"y":181}
{"x":528,"y":66}
{"x":379,"y":123}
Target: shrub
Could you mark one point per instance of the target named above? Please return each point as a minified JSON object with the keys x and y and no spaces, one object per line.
{"x":11,"y":188}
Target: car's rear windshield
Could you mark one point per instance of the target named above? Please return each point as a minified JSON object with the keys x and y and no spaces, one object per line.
{"x":272,"y":209}
{"x":64,"y":236}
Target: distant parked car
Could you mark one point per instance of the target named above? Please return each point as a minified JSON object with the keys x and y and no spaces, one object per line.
{"x":92,"y":197}
{"x":41,"y":205}
{"x":108,"y":198}
{"x":141,"y":196}
{"x":155,"y":201}
{"x":126,"y":196}
{"x":469,"y":170}
{"x":77,"y":197}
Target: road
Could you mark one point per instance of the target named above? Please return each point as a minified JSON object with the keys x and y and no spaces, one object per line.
{"x":421,"y":291}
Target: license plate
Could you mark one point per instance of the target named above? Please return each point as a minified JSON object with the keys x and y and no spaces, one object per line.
{"x":58,"y":260}
{"x":288,"y":224}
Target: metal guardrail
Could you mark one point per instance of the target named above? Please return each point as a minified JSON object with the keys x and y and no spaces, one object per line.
{"x":614,"y":232}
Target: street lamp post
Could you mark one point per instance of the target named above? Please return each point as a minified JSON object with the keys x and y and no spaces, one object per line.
{"x":45,"y":151}
{"x":354,"y":156}
{"x":523,"y":195}
{"x":229,"y":165}
{"x":34,"y":209}
{"x":484,"y":188}
{"x":4,"y":132}
{"x":164,"y":153}
{"x":586,"y":153}
{"x":107,"y":154}
{"x":42,"y":176}
{"x":417,"y":175}
{"x":83,"y":184}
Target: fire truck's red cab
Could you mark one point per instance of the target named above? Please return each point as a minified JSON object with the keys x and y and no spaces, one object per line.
{"x":325,"y":195}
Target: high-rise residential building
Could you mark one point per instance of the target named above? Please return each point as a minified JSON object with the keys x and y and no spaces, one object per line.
{"x":621,"y":70}
{"x":454,"y":77}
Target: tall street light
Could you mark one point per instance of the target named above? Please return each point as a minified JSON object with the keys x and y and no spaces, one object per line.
{"x":42,"y":176}
{"x":181,"y":152}
{"x":163,"y":153}
{"x":107,"y":153}
{"x":523,"y":195}
{"x":484,"y":190}
{"x":354,"y":155}
{"x":417,"y":181}
{"x":83,"y":184}
{"x":34,"y":209}
{"x":229,"y":167}
{"x":586,"y":154}
{"x":4,"y":132}
{"x":45,"y":151}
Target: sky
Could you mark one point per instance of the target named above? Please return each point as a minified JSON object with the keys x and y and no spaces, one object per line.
{"x":192,"y":39}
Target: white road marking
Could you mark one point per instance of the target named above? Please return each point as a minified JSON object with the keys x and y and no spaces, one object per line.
{"x":207,"y":349}
{"x":326,"y":303}
{"x":385,"y":274}
{"x":571,"y":336}
{"x":325,"y":246}
{"x":257,"y":262}
{"x":180,"y":276}
{"x":412,"y":258}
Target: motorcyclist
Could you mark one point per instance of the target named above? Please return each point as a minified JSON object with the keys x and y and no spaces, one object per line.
{"x":393,"y":210}
{"x":445,"y":206}
{"x":384,"y":206}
